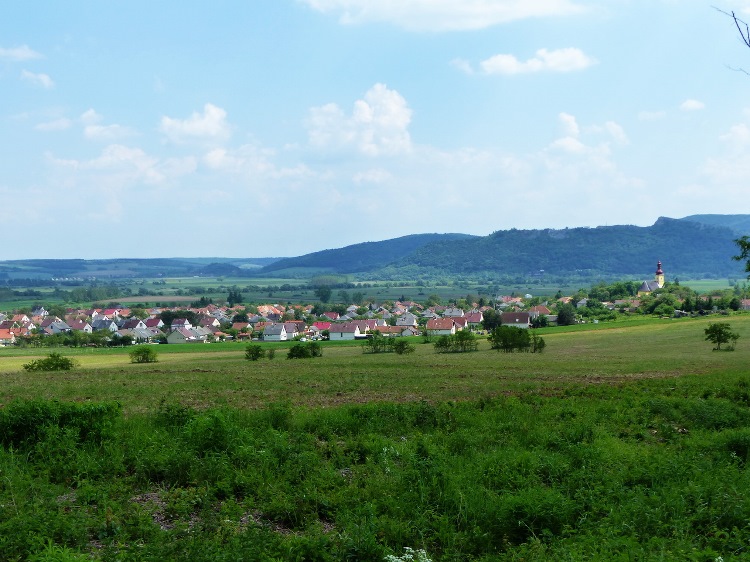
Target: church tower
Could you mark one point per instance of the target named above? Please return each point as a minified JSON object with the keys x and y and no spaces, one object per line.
{"x":659,"y":275}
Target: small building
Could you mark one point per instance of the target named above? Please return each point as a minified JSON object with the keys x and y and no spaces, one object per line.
{"x":274,"y":332}
{"x":517,"y":319}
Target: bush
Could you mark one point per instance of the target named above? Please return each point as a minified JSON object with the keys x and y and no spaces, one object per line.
{"x":403,"y":347}
{"x":460,"y":342}
{"x":53,"y":362}
{"x":143,"y":354}
{"x":305,"y":351}
{"x":253,"y":352}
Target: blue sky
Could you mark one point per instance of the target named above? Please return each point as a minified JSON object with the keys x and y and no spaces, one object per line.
{"x":282,"y":127}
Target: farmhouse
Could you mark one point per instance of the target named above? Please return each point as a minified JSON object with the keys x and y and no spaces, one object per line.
{"x":346,"y":331}
{"x":274,"y":332}
{"x":518,"y":319}
{"x":441,"y":326}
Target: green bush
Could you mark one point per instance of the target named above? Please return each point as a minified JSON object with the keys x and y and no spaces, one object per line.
{"x":305,"y":351}
{"x":253,"y":352}
{"x":143,"y":354}
{"x":53,"y":362}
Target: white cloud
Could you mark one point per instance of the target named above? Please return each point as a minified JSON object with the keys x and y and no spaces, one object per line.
{"x":559,"y":60}
{"x":378,"y":124}
{"x":18,"y":53}
{"x":209,"y":126}
{"x":569,"y":123}
{"x":94,"y":130}
{"x":443,"y":15}
{"x":39,"y":79}
{"x":651,"y":115}
{"x":692,"y":105}
{"x":375,"y":176}
{"x":54,"y":125}
{"x":463,"y":65}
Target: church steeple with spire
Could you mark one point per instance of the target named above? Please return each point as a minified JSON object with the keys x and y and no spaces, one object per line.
{"x":659,"y":275}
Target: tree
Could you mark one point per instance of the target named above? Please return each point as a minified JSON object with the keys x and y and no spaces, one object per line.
{"x":143,"y":354}
{"x":566,"y":315}
{"x":744,"y":245}
{"x":719,"y":333}
{"x":323,"y":293}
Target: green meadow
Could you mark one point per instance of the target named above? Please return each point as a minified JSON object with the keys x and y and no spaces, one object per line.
{"x":622,"y":441}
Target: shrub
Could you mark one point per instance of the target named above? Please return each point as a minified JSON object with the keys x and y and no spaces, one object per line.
{"x":460,"y":342}
{"x":305,"y":351}
{"x":53,"y":362}
{"x":253,"y":352}
{"x":143,"y":354}
{"x":403,"y":347}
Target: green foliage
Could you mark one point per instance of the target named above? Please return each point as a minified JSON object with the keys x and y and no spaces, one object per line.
{"x":253,"y":352}
{"x":305,"y":350}
{"x":381,"y":344}
{"x":403,"y":347}
{"x":461,"y":342}
{"x":720,"y":333}
{"x":566,"y":315}
{"x":511,"y":338}
{"x":743,"y":243}
{"x":22,"y":423}
{"x":143,"y":354}
{"x":53,"y":362}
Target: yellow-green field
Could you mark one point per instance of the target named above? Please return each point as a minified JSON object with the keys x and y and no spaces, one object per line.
{"x":212,"y":374}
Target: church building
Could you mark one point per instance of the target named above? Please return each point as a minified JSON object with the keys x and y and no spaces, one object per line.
{"x":650,"y":286}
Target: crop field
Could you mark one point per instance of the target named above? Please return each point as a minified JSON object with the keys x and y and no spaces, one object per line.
{"x":622,"y":441}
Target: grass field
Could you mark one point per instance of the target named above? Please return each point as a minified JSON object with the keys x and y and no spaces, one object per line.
{"x":622,"y":441}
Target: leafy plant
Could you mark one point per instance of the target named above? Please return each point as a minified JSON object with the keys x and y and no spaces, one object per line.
{"x":253,"y":352}
{"x":143,"y":354}
{"x":53,"y":362}
{"x":719,"y":333}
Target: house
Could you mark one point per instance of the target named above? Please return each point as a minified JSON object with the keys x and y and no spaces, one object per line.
{"x":474,"y":320}
{"x":154,"y":323}
{"x":274,"y":332}
{"x":453,"y":312}
{"x":80,"y":326}
{"x":7,"y":337}
{"x":345,"y":331}
{"x":441,"y":326}
{"x":102,"y":323}
{"x":180,"y":323}
{"x":407,"y":319}
{"x":184,"y":335}
{"x":518,"y":319}
{"x":293,"y":329}
{"x":132,"y":324}
{"x":390,"y":330}
{"x":330,"y":315}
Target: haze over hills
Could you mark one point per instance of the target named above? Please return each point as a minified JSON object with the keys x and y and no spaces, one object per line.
{"x":694,"y":246}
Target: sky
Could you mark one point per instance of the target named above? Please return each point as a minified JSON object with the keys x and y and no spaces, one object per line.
{"x":270,"y":128}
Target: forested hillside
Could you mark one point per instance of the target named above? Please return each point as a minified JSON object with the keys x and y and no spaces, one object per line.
{"x":364,"y":257}
{"x":685,"y":247}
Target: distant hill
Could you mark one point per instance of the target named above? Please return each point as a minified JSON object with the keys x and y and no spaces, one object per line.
{"x":739,"y":223}
{"x":698,"y":246}
{"x":126,"y":267}
{"x":685,"y":247}
{"x":363,"y":257}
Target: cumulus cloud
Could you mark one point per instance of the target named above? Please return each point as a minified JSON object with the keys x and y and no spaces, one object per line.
{"x":40,"y":79}
{"x":15,"y":54}
{"x":443,"y":15}
{"x":559,"y":60}
{"x":209,"y":126}
{"x":692,"y":105}
{"x":378,"y":124}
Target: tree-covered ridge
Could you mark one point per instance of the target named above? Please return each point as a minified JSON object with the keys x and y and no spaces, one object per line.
{"x":366,"y":256}
{"x":687,"y":247}
{"x":738,"y":223}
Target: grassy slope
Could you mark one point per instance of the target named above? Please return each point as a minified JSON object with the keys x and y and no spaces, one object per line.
{"x":211,"y":375}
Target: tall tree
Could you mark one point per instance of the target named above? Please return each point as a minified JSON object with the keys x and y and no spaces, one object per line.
{"x":744,"y":245}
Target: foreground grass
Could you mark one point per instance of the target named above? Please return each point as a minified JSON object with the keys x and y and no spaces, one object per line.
{"x":627,"y":443}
